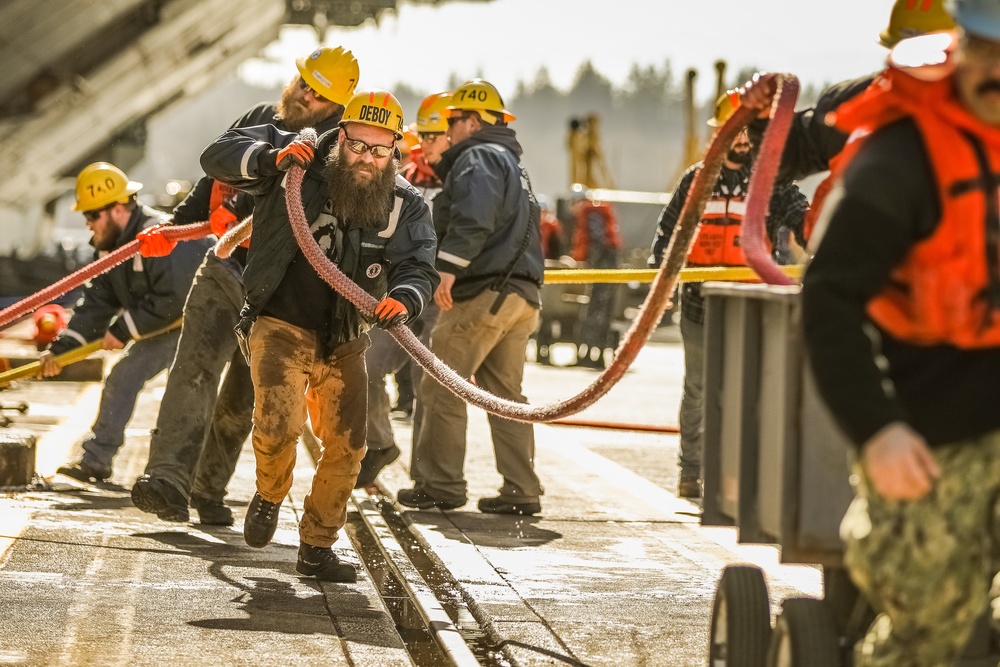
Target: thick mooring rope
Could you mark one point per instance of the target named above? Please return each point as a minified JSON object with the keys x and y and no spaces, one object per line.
{"x":650,"y":313}
{"x":112,"y":259}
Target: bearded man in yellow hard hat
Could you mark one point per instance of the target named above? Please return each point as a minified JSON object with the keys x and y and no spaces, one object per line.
{"x":132,"y":306}
{"x":296,"y":331}
{"x":203,"y":423}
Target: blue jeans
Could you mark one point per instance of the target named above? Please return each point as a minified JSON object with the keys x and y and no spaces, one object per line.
{"x":143,"y":360}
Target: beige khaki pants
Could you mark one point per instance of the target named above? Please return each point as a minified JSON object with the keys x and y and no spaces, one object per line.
{"x":475,"y":342}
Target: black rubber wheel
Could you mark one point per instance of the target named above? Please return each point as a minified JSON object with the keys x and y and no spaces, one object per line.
{"x":805,"y":635}
{"x":741,"y":619}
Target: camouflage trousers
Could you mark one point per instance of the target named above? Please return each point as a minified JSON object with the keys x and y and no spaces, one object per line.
{"x":286,"y":362}
{"x":926,"y":565}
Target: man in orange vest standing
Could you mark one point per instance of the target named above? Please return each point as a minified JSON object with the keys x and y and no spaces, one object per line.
{"x":901,"y":314}
{"x":596,"y":243}
{"x":717,"y":244}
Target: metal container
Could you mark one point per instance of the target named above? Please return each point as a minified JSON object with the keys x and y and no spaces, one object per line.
{"x":775,"y":465}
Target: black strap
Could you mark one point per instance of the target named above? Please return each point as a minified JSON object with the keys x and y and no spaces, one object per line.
{"x":534,"y":216}
{"x":988,"y":185}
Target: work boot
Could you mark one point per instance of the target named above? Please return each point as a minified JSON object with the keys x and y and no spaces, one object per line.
{"x":261,"y":522}
{"x":85,"y":472}
{"x":212,"y":512}
{"x":155,"y":496}
{"x":689,"y":487}
{"x":499,"y":506}
{"x":322,"y":563}
{"x":372,"y":464}
{"x":418,"y":499}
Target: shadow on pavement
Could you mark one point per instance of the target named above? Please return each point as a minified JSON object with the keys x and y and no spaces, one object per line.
{"x":272,"y":604}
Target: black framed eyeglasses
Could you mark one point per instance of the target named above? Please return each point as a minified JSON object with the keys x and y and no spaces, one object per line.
{"x":359,"y":147}
{"x":428,"y":136}
{"x":457,"y":119}
{"x":91,"y":216}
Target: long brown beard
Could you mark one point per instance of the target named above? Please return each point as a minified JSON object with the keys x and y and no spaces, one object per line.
{"x":368,"y":202}
{"x":296,"y":116}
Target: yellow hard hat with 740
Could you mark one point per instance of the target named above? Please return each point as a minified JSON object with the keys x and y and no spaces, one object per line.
{"x":480,"y":95}
{"x":100,"y":184}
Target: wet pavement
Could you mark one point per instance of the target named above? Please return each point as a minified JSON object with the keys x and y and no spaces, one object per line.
{"x":615,"y":571}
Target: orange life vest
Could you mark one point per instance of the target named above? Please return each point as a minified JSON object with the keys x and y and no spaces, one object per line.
{"x":418,"y":172}
{"x":947,"y":288}
{"x":718,"y":239}
{"x":581,"y":233}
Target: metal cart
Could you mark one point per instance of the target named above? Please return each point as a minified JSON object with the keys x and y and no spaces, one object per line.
{"x":775,"y":466}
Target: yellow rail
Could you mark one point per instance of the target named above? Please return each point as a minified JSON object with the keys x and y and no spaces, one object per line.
{"x":64,"y":359}
{"x":691,"y":275}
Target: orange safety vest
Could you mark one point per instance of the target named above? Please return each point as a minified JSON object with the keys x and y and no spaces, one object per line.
{"x":581,"y":234}
{"x":718,"y":240}
{"x":942,"y":291}
{"x":418,"y":172}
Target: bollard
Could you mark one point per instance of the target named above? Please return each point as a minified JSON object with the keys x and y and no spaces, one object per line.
{"x":17,"y":458}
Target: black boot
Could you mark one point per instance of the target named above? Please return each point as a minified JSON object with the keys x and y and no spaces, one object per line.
{"x":212,"y":512}
{"x":322,"y":563}
{"x":155,"y":496}
{"x":261,"y":522}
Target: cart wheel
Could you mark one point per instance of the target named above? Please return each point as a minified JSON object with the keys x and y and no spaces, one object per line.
{"x":741,"y":619}
{"x":805,"y":635}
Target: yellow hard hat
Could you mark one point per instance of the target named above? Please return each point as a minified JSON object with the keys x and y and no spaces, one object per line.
{"x":479,"y":95}
{"x":725,"y":106}
{"x":410,"y":138}
{"x":378,"y":108}
{"x":910,"y":18}
{"x":432,"y":116}
{"x":100,"y":184}
{"x":331,"y":72}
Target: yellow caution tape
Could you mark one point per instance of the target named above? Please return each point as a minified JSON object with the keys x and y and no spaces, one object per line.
{"x":64,"y":359}
{"x":691,"y":275}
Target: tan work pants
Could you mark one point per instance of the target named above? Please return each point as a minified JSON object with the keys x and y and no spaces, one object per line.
{"x":475,"y":342}
{"x":285,"y":361}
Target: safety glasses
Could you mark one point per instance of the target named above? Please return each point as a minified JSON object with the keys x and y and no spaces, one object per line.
{"x":92,"y":216}
{"x":359,"y":147}
{"x":309,"y":89}
{"x":428,"y":136}
{"x":452,"y":120}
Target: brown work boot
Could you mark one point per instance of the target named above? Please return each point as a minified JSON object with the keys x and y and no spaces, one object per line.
{"x":689,"y":487}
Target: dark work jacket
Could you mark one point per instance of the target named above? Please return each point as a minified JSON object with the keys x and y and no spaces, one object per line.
{"x":403,"y":247}
{"x":195,"y":207}
{"x":138,"y":297}
{"x":484,"y":214}
{"x":811,"y":143}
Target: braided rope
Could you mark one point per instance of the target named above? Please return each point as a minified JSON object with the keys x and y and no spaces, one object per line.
{"x":753,"y":232}
{"x":83,"y":274}
{"x":649,"y":314}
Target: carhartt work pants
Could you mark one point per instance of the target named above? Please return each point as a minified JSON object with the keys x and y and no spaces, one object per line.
{"x":475,"y":342}
{"x":285,"y":361}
